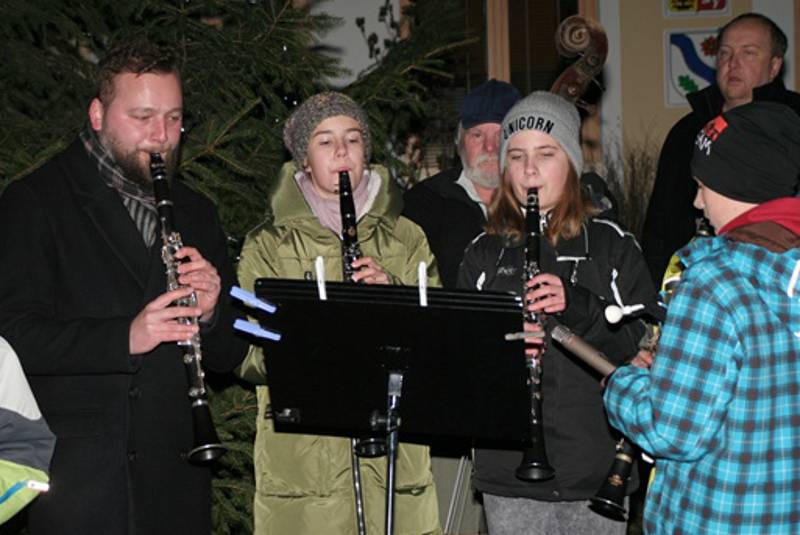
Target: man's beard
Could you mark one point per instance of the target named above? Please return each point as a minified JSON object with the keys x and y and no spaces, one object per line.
{"x":132,"y":167}
{"x":482,"y":177}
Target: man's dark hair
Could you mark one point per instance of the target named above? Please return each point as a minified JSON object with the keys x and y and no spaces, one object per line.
{"x":777,"y":38}
{"x":138,"y":56}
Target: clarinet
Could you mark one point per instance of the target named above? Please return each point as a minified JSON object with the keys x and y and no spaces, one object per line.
{"x":534,"y":465}
{"x":610,"y":498}
{"x":370,"y":446}
{"x":351,"y":250}
{"x":206,"y":446}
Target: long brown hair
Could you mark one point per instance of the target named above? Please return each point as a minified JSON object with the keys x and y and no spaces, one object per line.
{"x":570,"y":212}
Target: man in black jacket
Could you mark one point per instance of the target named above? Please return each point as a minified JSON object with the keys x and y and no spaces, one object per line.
{"x":749,"y":61}
{"x":83,"y":302}
{"x":451,"y":206}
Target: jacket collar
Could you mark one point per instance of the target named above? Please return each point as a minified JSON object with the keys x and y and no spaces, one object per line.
{"x":106,"y":211}
{"x":774,"y":224}
{"x":773,"y":273}
{"x":288,"y":207}
{"x":446,"y":185}
{"x":707,"y":103}
{"x":566,"y":250}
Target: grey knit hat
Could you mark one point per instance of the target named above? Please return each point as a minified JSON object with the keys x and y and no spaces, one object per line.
{"x":305,"y":118}
{"x":548,"y":113}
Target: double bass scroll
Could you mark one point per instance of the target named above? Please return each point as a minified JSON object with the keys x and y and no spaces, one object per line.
{"x":575,"y":36}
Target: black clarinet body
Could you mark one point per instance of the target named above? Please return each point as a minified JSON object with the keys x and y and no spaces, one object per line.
{"x":609,"y":501}
{"x":372,"y":445}
{"x":206,"y":446}
{"x":534,"y":465}
{"x":610,"y":498}
{"x":351,"y":250}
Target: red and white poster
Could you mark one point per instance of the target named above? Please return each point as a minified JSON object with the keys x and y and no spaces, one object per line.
{"x":690,"y":8}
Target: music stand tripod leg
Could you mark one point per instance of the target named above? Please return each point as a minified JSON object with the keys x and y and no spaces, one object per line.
{"x":359,"y":494}
{"x":392,"y":423}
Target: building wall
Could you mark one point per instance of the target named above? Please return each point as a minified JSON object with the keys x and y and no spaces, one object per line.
{"x":633,"y":107}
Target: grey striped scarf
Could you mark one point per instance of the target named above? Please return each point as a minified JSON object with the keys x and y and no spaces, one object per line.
{"x":140,"y":203}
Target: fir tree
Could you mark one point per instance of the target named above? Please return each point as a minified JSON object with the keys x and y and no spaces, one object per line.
{"x":246,"y":63}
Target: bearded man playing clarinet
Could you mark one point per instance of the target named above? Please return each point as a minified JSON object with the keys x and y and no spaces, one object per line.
{"x":719,"y":409}
{"x":84,"y":302}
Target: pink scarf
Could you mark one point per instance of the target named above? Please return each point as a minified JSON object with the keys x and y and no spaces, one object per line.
{"x":327,"y":210}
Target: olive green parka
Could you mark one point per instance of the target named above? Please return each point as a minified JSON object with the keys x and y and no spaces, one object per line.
{"x":304,"y":482}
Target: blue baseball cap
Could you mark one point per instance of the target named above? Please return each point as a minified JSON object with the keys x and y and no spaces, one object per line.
{"x":488,"y":103}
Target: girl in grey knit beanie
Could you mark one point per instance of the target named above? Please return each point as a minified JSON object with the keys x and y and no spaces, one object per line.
{"x":548,"y":113}
{"x":305,"y":118}
{"x":532,"y":121}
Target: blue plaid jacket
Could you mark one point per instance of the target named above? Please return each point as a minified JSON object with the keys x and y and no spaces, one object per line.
{"x":720,"y":408}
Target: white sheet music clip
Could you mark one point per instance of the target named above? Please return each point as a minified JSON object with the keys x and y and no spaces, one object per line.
{"x":319,"y":268}
{"x":422,"y":279}
{"x":251,"y":300}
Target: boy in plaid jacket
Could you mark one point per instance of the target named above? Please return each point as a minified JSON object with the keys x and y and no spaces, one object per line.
{"x":720,"y":407}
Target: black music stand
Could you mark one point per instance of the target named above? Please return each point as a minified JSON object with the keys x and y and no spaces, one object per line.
{"x":458,"y":376}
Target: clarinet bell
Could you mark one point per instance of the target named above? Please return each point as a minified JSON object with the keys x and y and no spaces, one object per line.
{"x":207,"y":446}
{"x":534,"y":466}
{"x":610,"y":499}
{"x":609,"y":508}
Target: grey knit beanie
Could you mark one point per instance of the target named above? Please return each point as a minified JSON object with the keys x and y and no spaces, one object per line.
{"x":305,"y":118}
{"x":548,"y":113}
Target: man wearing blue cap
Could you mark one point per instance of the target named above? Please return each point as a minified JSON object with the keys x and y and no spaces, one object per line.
{"x":451,"y":206}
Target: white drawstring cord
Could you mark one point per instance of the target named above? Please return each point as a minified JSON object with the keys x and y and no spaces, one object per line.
{"x":615,"y":313}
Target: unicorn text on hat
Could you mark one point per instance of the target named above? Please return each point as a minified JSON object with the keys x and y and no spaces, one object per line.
{"x":528,"y":122}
